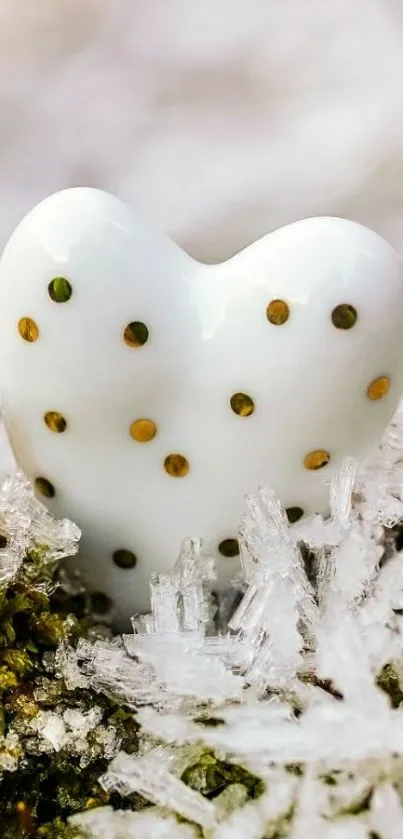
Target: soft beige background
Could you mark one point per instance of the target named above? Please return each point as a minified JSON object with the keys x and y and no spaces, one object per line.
{"x":219,"y":119}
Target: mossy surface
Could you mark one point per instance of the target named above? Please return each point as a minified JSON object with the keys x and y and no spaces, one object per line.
{"x":42,"y":785}
{"x":39,"y":790}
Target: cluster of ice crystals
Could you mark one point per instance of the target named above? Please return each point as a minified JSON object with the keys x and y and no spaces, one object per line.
{"x":380,"y":486}
{"x":387,"y":812}
{"x":26,"y":524}
{"x":152,"y":775}
{"x":67,"y":666}
{"x":11,"y":752}
{"x":293,"y":675}
{"x":278,"y":606}
{"x":77,"y":732}
{"x":169,"y":661}
{"x":124,"y":824}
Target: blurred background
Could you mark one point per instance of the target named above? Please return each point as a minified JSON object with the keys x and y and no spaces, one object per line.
{"x":219,"y":120}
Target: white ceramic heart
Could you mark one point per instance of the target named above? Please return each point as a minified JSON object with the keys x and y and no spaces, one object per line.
{"x":318,"y":370}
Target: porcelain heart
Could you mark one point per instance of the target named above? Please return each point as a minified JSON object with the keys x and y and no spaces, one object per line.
{"x":145,"y":393}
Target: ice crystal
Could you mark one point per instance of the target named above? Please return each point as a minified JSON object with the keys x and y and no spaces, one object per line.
{"x":124,"y":824}
{"x":168,"y":661}
{"x":278,"y":605}
{"x":11,"y":752}
{"x":274,"y":709}
{"x":151,"y":775}
{"x":386,"y":812}
{"x":54,"y":742}
{"x":302,"y":685}
{"x":76,"y":732}
{"x":27,"y":526}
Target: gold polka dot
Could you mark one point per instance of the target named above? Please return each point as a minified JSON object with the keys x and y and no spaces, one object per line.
{"x":143,"y":430}
{"x":45,"y":487}
{"x":294,"y":514}
{"x":278,"y":312}
{"x":316,"y":459}
{"x":136,"y":334}
{"x":378,"y":388}
{"x":242,"y":404}
{"x":60,"y":290}
{"x":176,"y":465}
{"x":55,"y":421}
{"x":28,"y":330}
{"x":344,"y":316}
{"x":229,"y":547}
{"x":124,"y":559}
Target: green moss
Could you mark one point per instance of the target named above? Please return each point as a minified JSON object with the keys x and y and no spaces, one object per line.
{"x":17,"y":660}
{"x":329,"y":780}
{"x":295,"y":769}
{"x":58,"y":830}
{"x":388,"y":681}
{"x":39,"y":791}
{"x":48,"y":629}
{"x":37,"y":800}
{"x":211,"y":776}
{"x":280,"y":828}
{"x":360,"y":805}
{"x":8,"y":679}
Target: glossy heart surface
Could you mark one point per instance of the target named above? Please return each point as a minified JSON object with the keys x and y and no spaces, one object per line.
{"x":145,"y":394}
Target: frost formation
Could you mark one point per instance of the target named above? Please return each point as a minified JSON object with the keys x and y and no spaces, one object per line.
{"x":298,"y":682}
